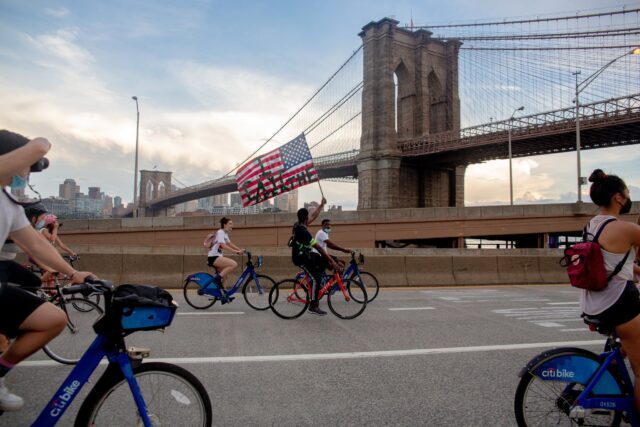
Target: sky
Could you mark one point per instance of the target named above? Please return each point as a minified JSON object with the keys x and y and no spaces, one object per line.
{"x":214,"y":79}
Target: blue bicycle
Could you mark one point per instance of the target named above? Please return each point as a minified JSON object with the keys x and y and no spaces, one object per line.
{"x":201,"y":292}
{"x":368,"y":280}
{"x":573,"y":386}
{"x":129,"y":393}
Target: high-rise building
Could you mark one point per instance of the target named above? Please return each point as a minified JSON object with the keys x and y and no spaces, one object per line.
{"x":221,"y":200}
{"x":94,"y":193}
{"x":235,"y":200}
{"x":117,"y":202}
{"x":287,"y":202}
{"x":68,"y":189}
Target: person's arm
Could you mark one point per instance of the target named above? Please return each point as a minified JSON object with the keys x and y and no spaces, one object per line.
{"x":233,"y":247}
{"x":42,"y":251}
{"x":14,"y":162}
{"x":313,"y":215}
{"x":64,"y":247}
{"x":333,"y":246}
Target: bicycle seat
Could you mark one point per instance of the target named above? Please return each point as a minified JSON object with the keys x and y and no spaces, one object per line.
{"x":596,"y":325}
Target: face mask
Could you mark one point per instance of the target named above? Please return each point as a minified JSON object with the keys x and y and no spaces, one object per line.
{"x":626,"y":208}
{"x":326,"y":230}
{"x":18,"y":182}
{"x":40,"y":224}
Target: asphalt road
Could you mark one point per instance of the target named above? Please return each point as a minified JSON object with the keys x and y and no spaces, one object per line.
{"x":433,"y":356}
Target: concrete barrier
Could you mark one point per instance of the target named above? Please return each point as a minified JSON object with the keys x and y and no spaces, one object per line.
{"x":169,"y":266}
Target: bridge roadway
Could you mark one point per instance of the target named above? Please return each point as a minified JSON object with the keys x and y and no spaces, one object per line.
{"x":603,"y":124}
{"x":359,"y":229}
{"x":429,"y":356}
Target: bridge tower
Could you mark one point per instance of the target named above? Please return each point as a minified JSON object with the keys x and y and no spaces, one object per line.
{"x":153,"y":184}
{"x":410,"y":90}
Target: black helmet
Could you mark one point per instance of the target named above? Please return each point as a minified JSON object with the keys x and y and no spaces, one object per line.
{"x":10,"y":141}
{"x":35,"y":210}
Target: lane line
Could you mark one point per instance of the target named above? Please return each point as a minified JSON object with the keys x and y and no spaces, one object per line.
{"x":564,"y":303}
{"x":549,"y":324}
{"x":209,"y":313}
{"x":351,"y":355}
{"x":576,"y":330}
{"x":410,"y":308}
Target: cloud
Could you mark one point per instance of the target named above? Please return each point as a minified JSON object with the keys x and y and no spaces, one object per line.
{"x":57,"y":12}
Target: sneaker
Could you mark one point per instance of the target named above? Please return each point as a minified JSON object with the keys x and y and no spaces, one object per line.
{"x":317,"y":311}
{"x":8,"y":400}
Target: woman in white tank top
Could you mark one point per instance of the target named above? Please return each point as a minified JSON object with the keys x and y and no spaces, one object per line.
{"x":618,"y":305}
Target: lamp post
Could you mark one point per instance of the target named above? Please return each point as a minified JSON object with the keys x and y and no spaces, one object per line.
{"x":510,"y":156}
{"x":579,"y":88}
{"x":135,"y":172}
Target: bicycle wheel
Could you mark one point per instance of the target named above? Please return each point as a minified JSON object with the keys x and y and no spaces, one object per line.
{"x":76,"y":337}
{"x":289,"y":299}
{"x":195,"y":297}
{"x":370,"y":283}
{"x":547,"y":402}
{"x":258,"y":298}
{"x":350,"y":303}
{"x":173,"y":396}
{"x":93,"y":298}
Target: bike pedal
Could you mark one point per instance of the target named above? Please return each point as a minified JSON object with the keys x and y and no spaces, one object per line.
{"x":138,"y":353}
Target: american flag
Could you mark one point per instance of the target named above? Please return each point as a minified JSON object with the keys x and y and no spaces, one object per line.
{"x":277,"y":172}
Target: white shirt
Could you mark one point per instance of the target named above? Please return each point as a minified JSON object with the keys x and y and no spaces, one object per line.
{"x":221,"y":238}
{"x":321,"y":239}
{"x":12,"y":218}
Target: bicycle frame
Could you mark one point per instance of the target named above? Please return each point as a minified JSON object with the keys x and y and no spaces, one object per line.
{"x":205,"y":281}
{"x":328,"y":283}
{"x":352,"y":269}
{"x":102,"y":346}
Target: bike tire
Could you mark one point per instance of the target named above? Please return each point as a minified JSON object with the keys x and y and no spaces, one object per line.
{"x":285,"y":300}
{"x":173,"y":395}
{"x":556,"y":398}
{"x":370,"y":283}
{"x":251,"y":293}
{"x":93,"y":298}
{"x":78,"y":334}
{"x":352,"y":304}
{"x":191,"y":296}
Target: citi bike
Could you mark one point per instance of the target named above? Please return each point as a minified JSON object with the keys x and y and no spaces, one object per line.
{"x":573,"y":386}
{"x":201,"y":292}
{"x":129,"y":392}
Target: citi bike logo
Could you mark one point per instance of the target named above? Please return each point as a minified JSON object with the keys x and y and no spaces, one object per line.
{"x":58,"y":405}
{"x":557,"y":373}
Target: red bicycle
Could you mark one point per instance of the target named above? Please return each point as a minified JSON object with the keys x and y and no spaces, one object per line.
{"x":346,"y":298}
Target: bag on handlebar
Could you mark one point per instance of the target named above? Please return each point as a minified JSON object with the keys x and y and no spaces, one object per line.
{"x":142,"y":307}
{"x":585,"y":263}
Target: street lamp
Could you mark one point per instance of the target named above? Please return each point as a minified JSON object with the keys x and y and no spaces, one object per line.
{"x":510,"y":168}
{"x":135,"y":172}
{"x":579,"y":88}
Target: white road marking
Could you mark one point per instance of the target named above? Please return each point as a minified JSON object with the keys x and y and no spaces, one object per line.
{"x":349,"y":355}
{"x":549,"y":324}
{"x":209,"y":313}
{"x":411,"y":308}
{"x":576,"y":330}
{"x":564,"y":303}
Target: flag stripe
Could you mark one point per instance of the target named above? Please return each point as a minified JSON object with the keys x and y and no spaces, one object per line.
{"x":252,"y":188}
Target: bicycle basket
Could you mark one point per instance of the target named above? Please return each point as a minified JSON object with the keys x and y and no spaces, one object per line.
{"x":142,"y":308}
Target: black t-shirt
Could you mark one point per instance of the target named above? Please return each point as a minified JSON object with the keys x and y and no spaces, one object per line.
{"x":301,"y":244}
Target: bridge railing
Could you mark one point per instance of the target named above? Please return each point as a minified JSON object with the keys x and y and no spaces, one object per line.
{"x":608,"y":110}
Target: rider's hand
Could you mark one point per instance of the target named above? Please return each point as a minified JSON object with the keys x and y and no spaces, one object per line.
{"x":81,"y":276}
{"x":323,"y":202}
{"x":348,"y":251}
{"x":240,"y":252}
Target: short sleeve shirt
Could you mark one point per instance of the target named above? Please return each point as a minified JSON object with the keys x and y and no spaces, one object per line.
{"x":220,"y":240}
{"x":321,"y":239}
{"x":12,"y":217}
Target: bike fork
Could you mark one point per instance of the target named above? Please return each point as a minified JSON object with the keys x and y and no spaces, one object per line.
{"x":125,"y":366}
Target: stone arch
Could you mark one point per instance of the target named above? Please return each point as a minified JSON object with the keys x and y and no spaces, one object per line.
{"x":437,"y":104}
{"x":162,"y":189}
{"x":149,"y":191}
{"x":405,"y":100}
{"x":153,"y":184}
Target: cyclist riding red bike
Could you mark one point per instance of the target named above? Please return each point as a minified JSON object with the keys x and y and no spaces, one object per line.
{"x":302,"y":255}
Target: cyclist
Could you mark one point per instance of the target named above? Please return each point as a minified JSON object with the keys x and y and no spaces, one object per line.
{"x":23,"y":316}
{"x":322,"y":237}
{"x":618,"y":305}
{"x":301,"y":254}
{"x":215,"y":258}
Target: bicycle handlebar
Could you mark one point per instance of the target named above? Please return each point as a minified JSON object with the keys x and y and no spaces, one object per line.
{"x":89,"y":287}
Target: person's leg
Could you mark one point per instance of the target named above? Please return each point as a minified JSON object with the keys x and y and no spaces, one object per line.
{"x":23,"y":277}
{"x":224,"y":266}
{"x":629,"y":334}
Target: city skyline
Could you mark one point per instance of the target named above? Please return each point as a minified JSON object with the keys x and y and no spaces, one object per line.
{"x":210,"y":94}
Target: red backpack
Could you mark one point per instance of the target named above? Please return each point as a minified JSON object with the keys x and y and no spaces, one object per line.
{"x":585,"y":263}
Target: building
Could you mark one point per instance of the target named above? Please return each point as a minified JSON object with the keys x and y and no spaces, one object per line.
{"x":287,"y":202}
{"x":235,"y":200}
{"x":94,"y":193}
{"x":68,"y":189}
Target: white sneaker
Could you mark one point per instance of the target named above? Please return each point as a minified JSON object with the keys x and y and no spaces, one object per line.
{"x":8,"y":400}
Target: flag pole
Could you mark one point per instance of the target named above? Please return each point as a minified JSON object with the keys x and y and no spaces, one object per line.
{"x":321,"y":192}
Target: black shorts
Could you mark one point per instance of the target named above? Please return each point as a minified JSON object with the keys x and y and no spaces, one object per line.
{"x":211,"y":260}
{"x":14,"y":273}
{"x":15,"y":306}
{"x":626,"y":308}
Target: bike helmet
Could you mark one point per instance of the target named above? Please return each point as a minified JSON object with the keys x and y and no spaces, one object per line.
{"x":35,"y":210}
{"x":10,"y":141}
{"x":50,"y":219}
